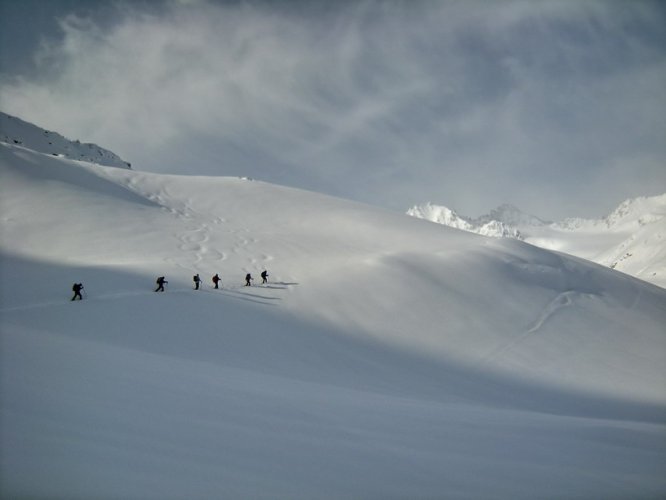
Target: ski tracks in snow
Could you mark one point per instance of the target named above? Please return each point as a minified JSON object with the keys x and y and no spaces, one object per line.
{"x":198,"y":247}
{"x":562,"y":300}
{"x":194,"y":239}
{"x":203,"y":240}
{"x":197,"y":241}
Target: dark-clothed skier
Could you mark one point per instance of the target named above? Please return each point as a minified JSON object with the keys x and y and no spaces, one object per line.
{"x":197,"y":281}
{"x":264,"y":277}
{"x":216,"y":280}
{"x":160,"y":284}
{"x":76,"y":288}
{"x":248,"y":278}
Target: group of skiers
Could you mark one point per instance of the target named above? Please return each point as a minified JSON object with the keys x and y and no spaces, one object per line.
{"x":216,"y":281}
{"x":161,"y":281}
{"x":249,"y":278}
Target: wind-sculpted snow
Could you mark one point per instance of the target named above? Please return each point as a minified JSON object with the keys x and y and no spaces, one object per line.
{"x":387,"y":357}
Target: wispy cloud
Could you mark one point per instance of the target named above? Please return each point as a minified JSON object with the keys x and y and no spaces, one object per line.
{"x":464,"y":103}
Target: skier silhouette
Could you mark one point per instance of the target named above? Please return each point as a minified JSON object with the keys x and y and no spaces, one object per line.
{"x":160,"y":284}
{"x":216,"y":280}
{"x":248,"y":278}
{"x":76,"y":288}
{"x":264,"y":276}
{"x":197,"y":281}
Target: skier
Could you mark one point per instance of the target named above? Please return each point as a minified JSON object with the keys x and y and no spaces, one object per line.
{"x":76,"y":288}
{"x":160,"y":284}
{"x":264,"y":276}
{"x":248,"y":278}
{"x":216,"y":280}
{"x":197,"y":281}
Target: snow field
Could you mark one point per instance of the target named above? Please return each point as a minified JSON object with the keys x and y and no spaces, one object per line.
{"x":388,"y":357}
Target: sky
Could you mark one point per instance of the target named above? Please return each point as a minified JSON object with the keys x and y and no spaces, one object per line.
{"x":557,"y":107}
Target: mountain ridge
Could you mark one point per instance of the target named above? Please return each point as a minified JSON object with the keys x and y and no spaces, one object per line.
{"x":15,"y":131}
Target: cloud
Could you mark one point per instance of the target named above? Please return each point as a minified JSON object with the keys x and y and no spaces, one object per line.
{"x":469,"y":104}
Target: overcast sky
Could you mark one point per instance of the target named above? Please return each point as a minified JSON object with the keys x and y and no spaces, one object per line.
{"x":558,"y":107}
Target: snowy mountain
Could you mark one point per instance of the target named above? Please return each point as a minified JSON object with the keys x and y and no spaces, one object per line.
{"x":490,"y":225}
{"x":632,"y":239}
{"x":510,"y":216}
{"x":15,"y":131}
{"x":386,"y":357}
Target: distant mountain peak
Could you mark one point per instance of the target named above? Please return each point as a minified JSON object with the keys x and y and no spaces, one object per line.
{"x":641,"y":211}
{"x":441,"y":215}
{"x":499,"y":223}
{"x":511,"y":215}
{"x":629,"y":239}
{"x":18,"y":132}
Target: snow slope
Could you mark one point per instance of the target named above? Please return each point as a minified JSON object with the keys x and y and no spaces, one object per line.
{"x":631,"y":239}
{"x":386,"y":358}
